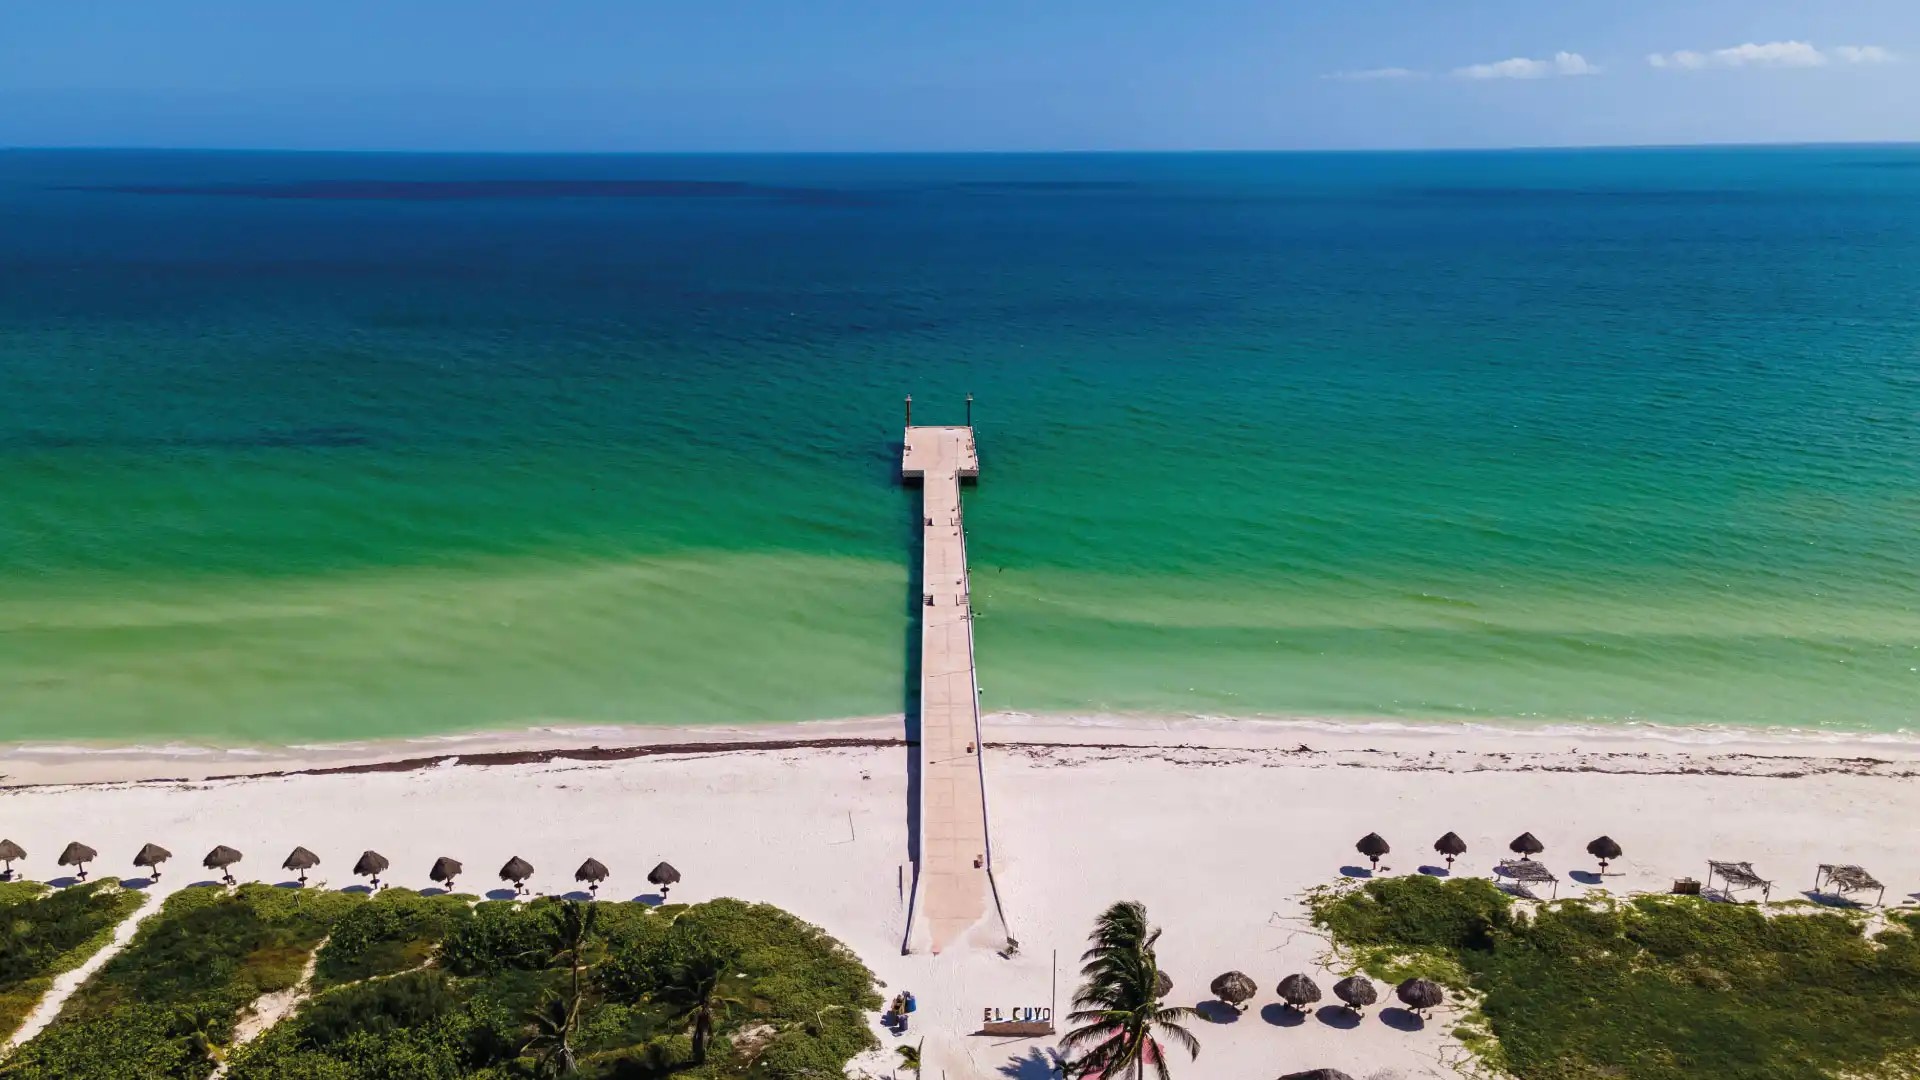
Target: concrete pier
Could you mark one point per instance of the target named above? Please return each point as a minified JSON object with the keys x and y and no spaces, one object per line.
{"x":953,"y":886}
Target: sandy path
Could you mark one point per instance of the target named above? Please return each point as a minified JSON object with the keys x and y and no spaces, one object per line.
{"x":65,"y":984}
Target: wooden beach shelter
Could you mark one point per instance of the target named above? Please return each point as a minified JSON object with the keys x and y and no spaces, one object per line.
{"x":1737,"y":875}
{"x":300,"y":860}
{"x":1526,"y":845}
{"x":665,"y":876}
{"x":444,"y":871}
{"x":1372,"y":846}
{"x":1419,"y":994}
{"x":371,"y":865}
{"x":517,"y":870}
{"x":150,"y":858}
{"x":1317,"y":1074}
{"x":1451,"y":846}
{"x":1298,"y":991}
{"x":1840,"y":879}
{"x":222,"y":858}
{"x":10,"y":853}
{"x":1526,"y":873}
{"x":1356,"y":991}
{"x":593,"y":872}
{"x":1235,"y":988}
{"x":1606,"y":850}
{"x":78,"y":855}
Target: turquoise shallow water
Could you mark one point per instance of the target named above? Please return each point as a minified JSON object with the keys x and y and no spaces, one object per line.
{"x":303,"y":447}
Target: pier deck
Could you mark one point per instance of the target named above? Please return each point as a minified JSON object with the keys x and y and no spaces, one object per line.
{"x":953,"y":889}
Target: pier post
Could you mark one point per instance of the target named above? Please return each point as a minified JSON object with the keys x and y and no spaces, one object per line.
{"x":909,"y":410}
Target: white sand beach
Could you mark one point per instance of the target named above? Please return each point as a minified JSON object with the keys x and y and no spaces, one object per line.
{"x":1218,"y":826}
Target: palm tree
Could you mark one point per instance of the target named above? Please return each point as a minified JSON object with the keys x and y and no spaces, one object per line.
{"x":574,"y":925}
{"x":556,"y":1018}
{"x":694,"y":992}
{"x":552,"y":1042}
{"x":909,"y":1058}
{"x":1118,"y":1007}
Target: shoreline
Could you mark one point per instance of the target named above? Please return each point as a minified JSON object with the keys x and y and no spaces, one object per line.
{"x":1550,"y":745}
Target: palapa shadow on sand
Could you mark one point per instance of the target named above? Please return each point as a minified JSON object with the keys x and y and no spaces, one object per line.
{"x":63,"y":882}
{"x":502,"y":894}
{"x":1356,"y":871}
{"x":1400,"y":1019}
{"x":1337,"y":1016}
{"x":577,"y":894}
{"x":1830,"y":900}
{"x":1282,"y":1015}
{"x":651,"y":899}
{"x":358,"y":890}
{"x":137,"y":883}
{"x":1215,"y":1011}
{"x":1436,"y":871}
{"x":1585,"y":877}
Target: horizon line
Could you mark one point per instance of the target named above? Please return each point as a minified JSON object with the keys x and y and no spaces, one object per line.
{"x":83,"y":148}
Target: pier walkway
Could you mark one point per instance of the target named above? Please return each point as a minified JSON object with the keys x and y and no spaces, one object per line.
{"x":952,"y":892}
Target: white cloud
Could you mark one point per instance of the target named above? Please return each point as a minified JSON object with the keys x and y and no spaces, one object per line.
{"x":1862,"y":54}
{"x":1771,"y":54}
{"x":1374,"y":74}
{"x":1520,"y":67}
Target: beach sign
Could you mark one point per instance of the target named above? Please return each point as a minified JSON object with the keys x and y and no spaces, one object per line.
{"x":1018,"y":1020}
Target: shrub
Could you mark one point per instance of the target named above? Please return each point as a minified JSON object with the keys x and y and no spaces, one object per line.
{"x":393,"y":931}
{"x":45,"y":932}
{"x":1661,"y":988}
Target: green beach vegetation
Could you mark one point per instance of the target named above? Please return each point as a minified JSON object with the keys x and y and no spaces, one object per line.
{"x":1648,"y":988}
{"x":44,"y":932}
{"x":433,"y":987}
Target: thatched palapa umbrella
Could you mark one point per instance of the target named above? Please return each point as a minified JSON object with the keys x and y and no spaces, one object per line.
{"x":1451,"y":846}
{"x":371,"y":864}
{"x":78,"y":855}
{"x":1235,"y":988}
{"x":1317,"y":1074}
{"x":1419,"y":994}
{"x":517,"y":870}
{"x":9,"y":852}
{"x":1357,"y":991}
{"x":300,"y":860}
{"x":1526,"y":846}
{"x":444,"y":871}
{"x":1605,"y":850}
{"x":593,"y":872}
{"x":664,"y":876}
{"x":1298,"y":991}
{"x":222,"y":858}
{"x":1162,"y":984}
{"x":151,"y":856}
{"x":1372,"y":846}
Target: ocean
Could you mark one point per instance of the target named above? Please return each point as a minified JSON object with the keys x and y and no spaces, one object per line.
{"x":304,"y":447}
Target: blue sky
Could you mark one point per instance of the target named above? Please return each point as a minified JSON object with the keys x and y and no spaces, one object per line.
{"x":961,"y":75}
